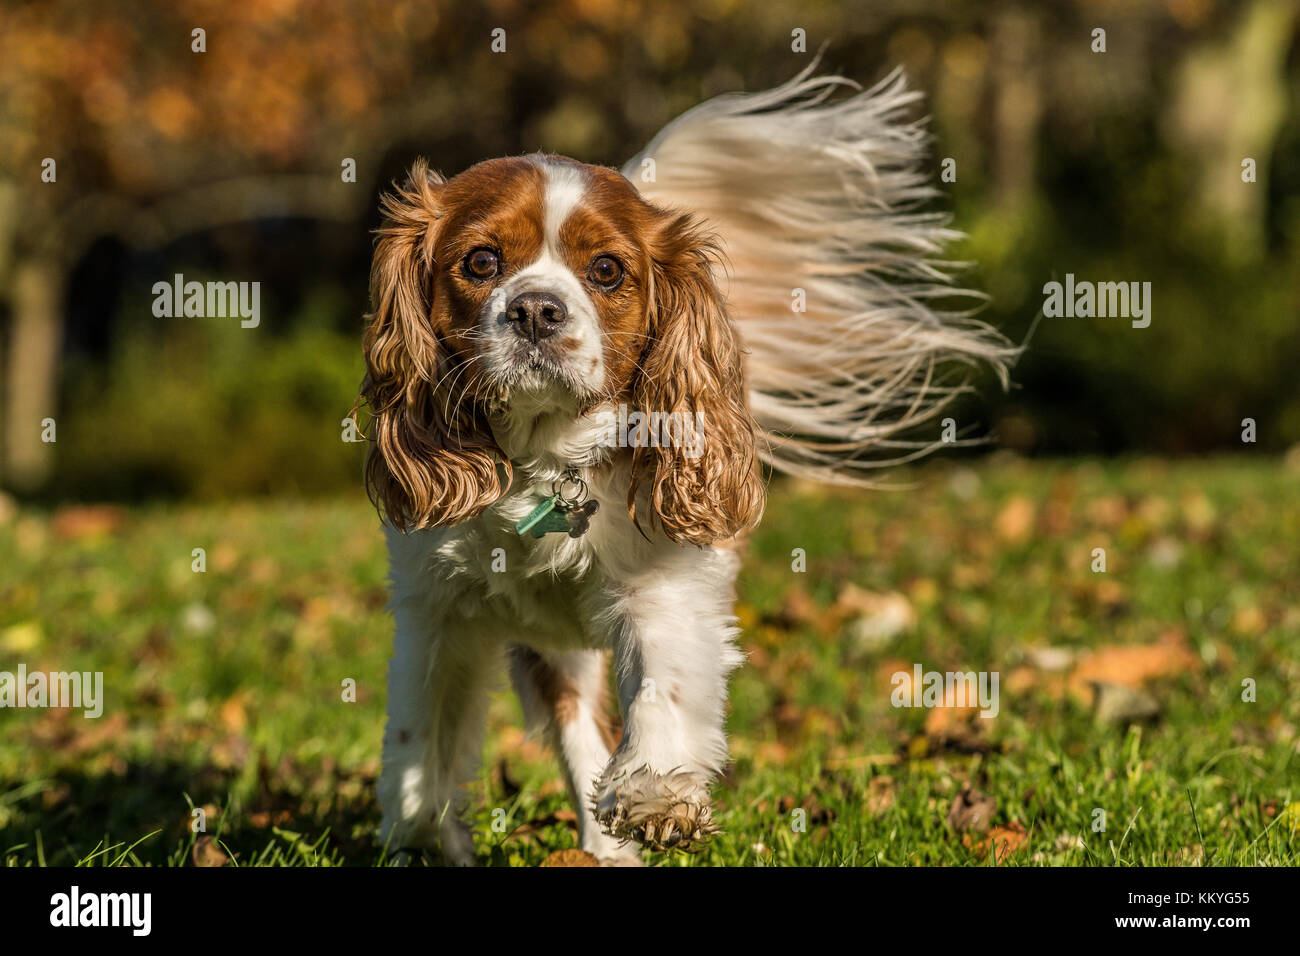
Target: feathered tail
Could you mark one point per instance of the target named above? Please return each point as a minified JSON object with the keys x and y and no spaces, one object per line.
{"x":820,"y":195}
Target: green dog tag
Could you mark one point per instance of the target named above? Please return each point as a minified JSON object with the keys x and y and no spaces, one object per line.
{"x":571,"y":514}
{"x":542,"y":519}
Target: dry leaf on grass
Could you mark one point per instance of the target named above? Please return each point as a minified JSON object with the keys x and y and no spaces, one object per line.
{"x":1125,"y":666}
{"x":798,"y":608}
{"x":1003,"y":840}
{"x":570,"y":858}
{"x":76,"y":522}
{"x":1132,"y":665}
{"x":971,"y":811}
{"x":531,"y":828}
{"x":74,"y":736}
{"x":951,"y":717}
{"x":873,"y":619}
{"x":880,"y":795}
{"x":1015,"y":520}
{"x":233,"y":712}
{"x":814,"y":812}
{"x":1116,"y":704}
{"x":269,"y":818}
{"x":207,"y":853}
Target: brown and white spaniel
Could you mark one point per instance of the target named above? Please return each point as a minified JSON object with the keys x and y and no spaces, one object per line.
{"x":573,"y":375}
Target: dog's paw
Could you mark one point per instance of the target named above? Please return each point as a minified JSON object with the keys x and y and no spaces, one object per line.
{"x":660,"y":811}
{"x":451,"y":841}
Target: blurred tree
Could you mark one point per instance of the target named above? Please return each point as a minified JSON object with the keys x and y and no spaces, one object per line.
{"x":121,"y":120}
{"x":1230,"y":104}
{"x":1066,"y":160}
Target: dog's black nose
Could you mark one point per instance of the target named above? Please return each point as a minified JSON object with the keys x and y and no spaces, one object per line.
{"x":535,"y":315}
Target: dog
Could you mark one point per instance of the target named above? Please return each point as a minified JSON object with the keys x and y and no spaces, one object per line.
{"x":575,"y":376}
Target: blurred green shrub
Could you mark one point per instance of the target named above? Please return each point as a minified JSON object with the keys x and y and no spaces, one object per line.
{"x":202,"y":407}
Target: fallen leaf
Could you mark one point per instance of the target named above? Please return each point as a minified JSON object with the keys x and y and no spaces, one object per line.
{"x":1015,"y":520}
{"x":1116,"y":704}
{"x":1249,"y":621}
{"x":531,"y":828}
{"x":1002,"y":840}
{"x":1050,"y":658}
{"x":888,"y":668}
{"x":570,"y":858}
{"x":971,"y":811}
{"x":233,"y":715}
{"x":76,"y":522}
{"x":1132,"y":665}
{"x":951,"y":715}
{"x":1165,"y":553}
{"x":207,"y":853}
{"x":813,"y":810}
{"x":874,"y":619}
{"x":880,"y":795}
{"x":799,"y":609}
{"x":266,"y":818}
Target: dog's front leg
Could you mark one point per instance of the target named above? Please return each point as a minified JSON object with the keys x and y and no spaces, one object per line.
{"x":675,"y":648}
{"x":438,"y":684}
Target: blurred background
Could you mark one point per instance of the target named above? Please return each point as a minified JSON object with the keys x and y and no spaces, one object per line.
{"x":198,"y":534}
{"x":228,"y":165}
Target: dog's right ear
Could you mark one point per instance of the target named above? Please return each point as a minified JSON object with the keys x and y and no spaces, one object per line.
{"x":431,"y":461}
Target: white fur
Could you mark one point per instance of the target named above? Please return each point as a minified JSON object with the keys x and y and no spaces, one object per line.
{"x":664,"y":610}
{"x":820,"y":194}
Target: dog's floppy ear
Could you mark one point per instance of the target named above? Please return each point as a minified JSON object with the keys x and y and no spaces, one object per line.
{"x":432,"y":460}
{"x":710,"y":488}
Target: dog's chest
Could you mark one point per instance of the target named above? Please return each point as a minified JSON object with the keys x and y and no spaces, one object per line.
{"x":540,"y":585}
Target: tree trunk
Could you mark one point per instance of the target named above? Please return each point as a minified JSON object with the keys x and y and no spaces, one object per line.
{"x":31,"y":371}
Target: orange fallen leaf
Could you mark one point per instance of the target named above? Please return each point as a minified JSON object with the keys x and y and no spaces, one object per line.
{"x":76,"y":522}
{"x":1132,"y":665}
{"x":266,"y":818}
{"x":1003,"y":840}
{"x":207,"y":853}
{"x":570,"y":858}
{"x":232,"y":713}
{"x":1016,"y":519}
{"x":951,"y":714}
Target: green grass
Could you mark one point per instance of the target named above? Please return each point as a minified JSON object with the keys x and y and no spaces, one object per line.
{"x":223,"y":689}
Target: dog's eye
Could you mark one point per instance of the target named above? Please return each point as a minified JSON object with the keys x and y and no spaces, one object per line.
{"x":482,"y":264}
{"x":606,"y":272}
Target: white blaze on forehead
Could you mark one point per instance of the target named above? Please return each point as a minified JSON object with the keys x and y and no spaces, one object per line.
{"x":565,"y":186}
{"x":579,"y":369}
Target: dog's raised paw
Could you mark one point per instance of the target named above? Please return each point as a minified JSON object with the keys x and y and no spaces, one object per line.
{"x":660,"y":811}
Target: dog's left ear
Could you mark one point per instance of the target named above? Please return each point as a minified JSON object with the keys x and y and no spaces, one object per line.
{"x":431,"y":462}
{"x":707,"y":488}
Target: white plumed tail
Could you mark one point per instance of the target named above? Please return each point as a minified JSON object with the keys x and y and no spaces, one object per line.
{"x":811,"y":193}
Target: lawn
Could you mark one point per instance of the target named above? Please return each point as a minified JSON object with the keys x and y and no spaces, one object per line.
{"x":1122,"y":735}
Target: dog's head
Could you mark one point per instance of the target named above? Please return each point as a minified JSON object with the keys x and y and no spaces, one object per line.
{"x":543,"y":282}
